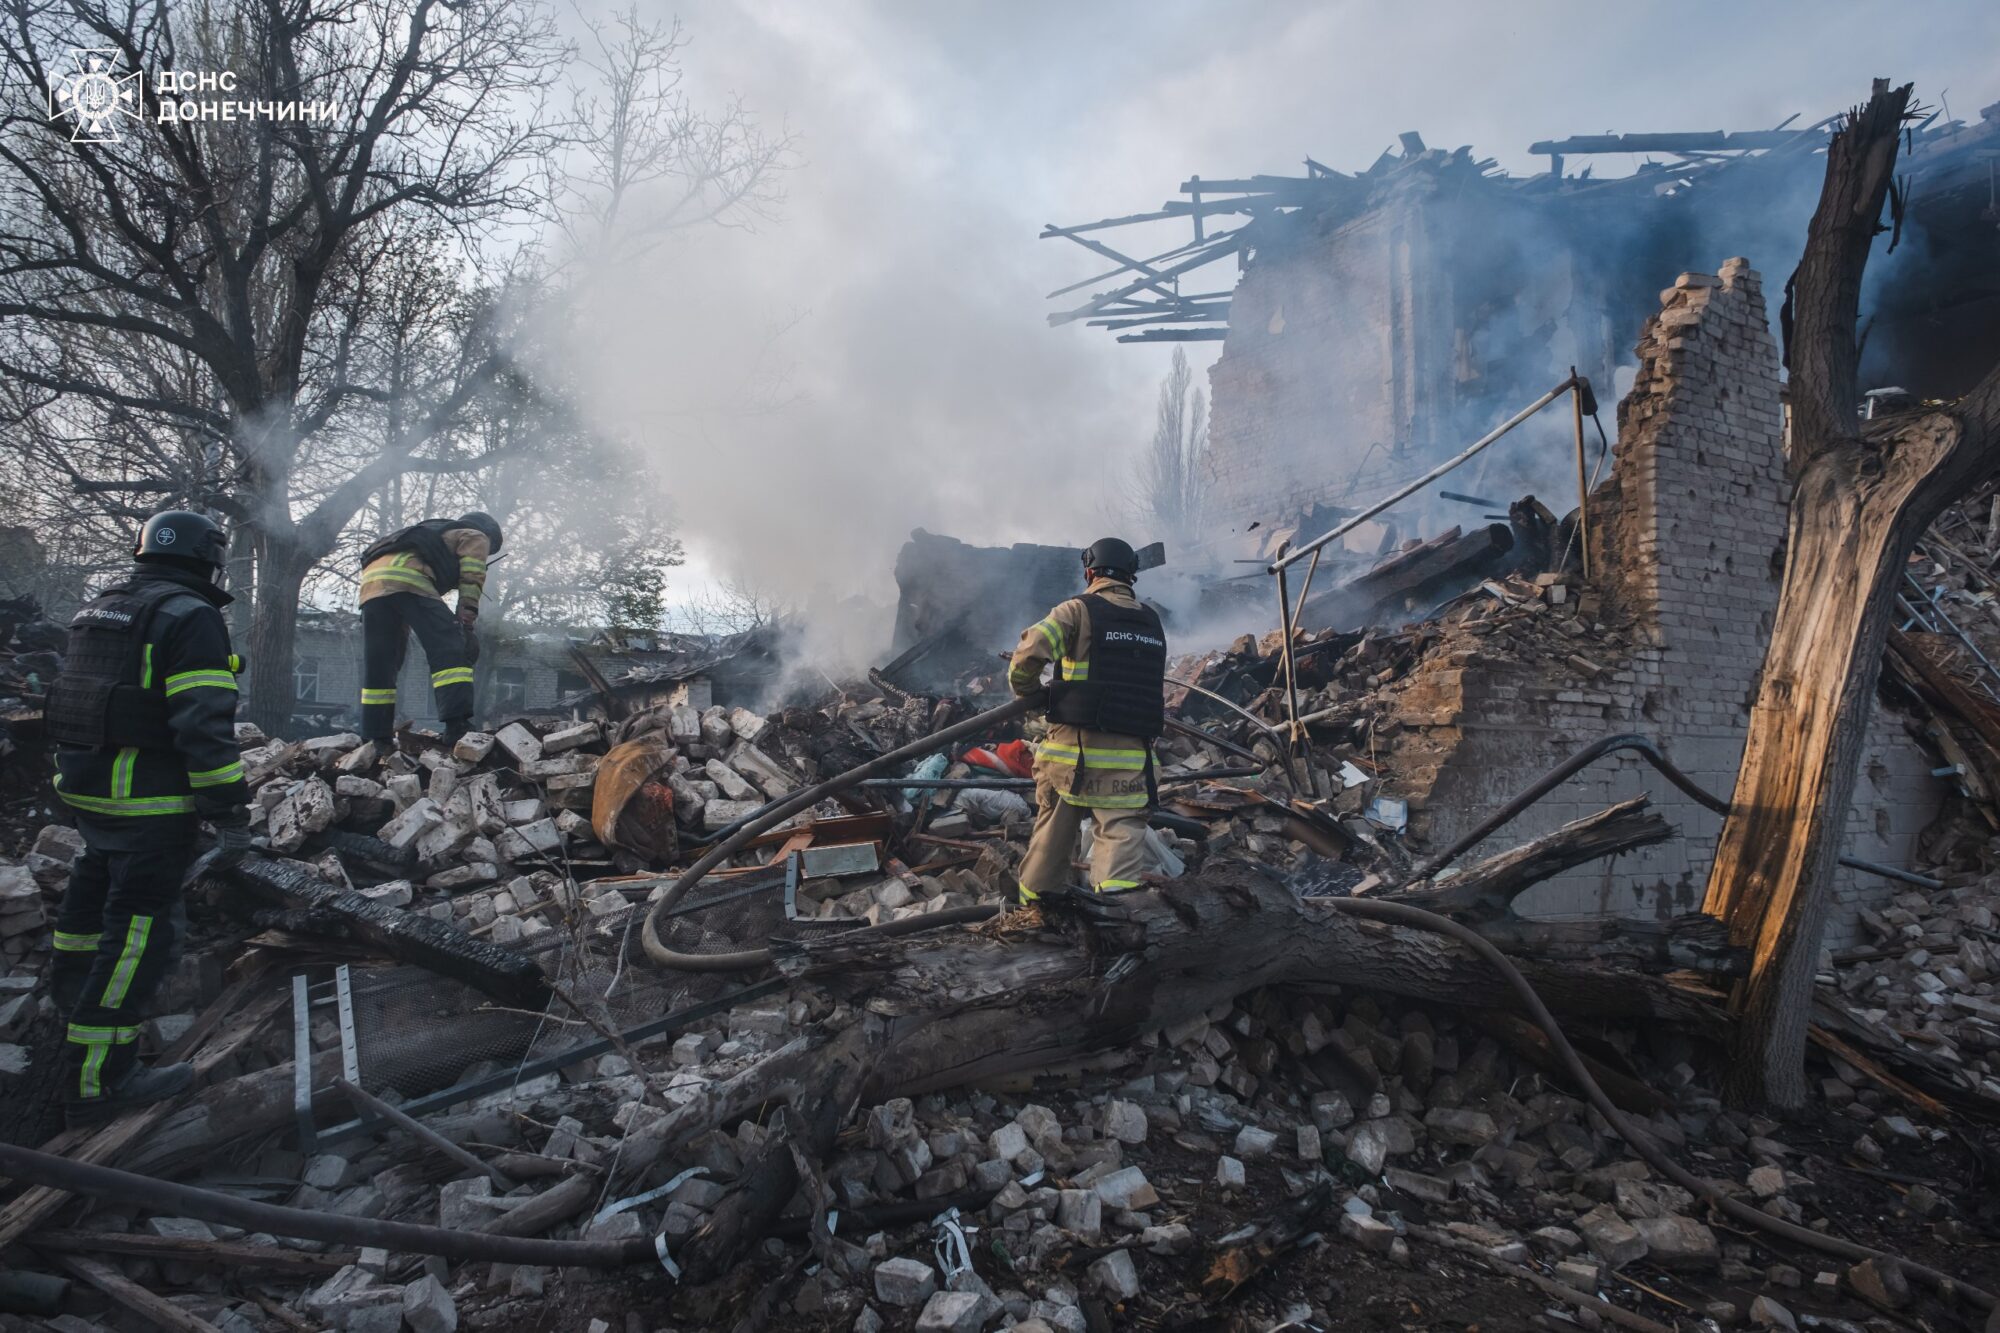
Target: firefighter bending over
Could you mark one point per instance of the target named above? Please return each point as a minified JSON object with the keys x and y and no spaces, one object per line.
{"x":144,"y":718}
{"x":1106,"y":707}
{"x":405,"y":578}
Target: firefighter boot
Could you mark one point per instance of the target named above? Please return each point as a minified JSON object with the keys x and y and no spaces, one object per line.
{"x":141,"y":1087}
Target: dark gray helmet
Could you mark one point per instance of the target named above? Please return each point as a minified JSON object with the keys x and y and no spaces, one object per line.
{"x":487,"y":524}
{"x":1113,"y":558}
{"x":182,"y":534}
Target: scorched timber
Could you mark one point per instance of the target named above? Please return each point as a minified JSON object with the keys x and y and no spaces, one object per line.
{"x":507,"y":977}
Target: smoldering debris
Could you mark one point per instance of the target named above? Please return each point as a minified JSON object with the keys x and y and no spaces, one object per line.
{"x":1275,"y":1154}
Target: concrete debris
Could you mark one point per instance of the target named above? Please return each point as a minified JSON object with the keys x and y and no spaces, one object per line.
{"x":1114,"y":1189}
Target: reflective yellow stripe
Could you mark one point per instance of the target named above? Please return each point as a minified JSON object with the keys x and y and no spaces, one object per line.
{"x":146,"y":668}
{"x":120,"y":984}
{"x":196,"y":680}
{"x":95,"y":1036}
{"x":215,"y":777}
{"x":472,"y":564}
{"x":1092,"y":757}
{"x":91,"y":1082}
{"x":452,"y":676}
{"x":121,"y":774}
{"x":69,"y":943}
{"x":1053,"y":633}
{"x":1028,"y":895}
{"x":1136,"y":801}
{"x":100,"y":1041}
{"x":404,"y":577}
{"x":235,"y":664}
{"x":1117,"y":884}
{"x":378,"y":696}
{"x":137,"y":805}
{"x":1073,"y":670}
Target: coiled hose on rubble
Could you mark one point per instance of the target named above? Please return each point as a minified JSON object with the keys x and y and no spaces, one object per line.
{"x":1402,"y":914}
{"x":744,"y":959}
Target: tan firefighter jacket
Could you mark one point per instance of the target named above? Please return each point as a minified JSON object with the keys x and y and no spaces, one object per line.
{"x":1114,"y":767}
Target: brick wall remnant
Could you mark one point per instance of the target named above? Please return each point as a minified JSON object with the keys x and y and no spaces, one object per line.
{"x":1689,"y":530}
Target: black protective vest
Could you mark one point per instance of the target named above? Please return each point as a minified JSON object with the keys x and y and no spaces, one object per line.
{"x":426,"y":541}
{"x":1124,"y":692}
{"x":104,"y":698}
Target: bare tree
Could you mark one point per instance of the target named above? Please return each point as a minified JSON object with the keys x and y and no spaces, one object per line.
{"x":222,"y":300}
{"x":1171,"y":480}
{"x":649,"y":161}
{"x":292,"y":320}
{"x":1862,"y":494}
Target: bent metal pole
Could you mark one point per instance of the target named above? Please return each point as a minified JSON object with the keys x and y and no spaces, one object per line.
{"x":1293,"y":557}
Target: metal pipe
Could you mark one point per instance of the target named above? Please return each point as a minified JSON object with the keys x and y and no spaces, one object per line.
{"x":1230,"y":704}
{"x":1650,"y":751}
{"x":1440,"y":470}
{"x":367,"y":1103}
{"x":1937,"y":606}
{"x":1296,"y":740}
{"x":1582,"y":475}
{"x":1019,"y":784}
{"x":1305,"y":588}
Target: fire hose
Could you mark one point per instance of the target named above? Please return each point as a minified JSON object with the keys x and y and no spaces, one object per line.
{"x":1403,"y":914}
{"x":744,"y":959}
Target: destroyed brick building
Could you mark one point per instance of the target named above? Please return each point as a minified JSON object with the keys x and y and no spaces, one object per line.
{"x":1689,"y":528}
{"x":1385,"y":317}
{"x":688,"y":1016}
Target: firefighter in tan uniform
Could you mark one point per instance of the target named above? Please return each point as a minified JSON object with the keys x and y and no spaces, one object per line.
{"x":1106,"y":707}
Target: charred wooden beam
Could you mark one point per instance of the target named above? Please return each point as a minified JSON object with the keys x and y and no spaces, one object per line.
{"x":1409,"y":573}
{"x":1487,"y":890}
{"x":507,"y":977}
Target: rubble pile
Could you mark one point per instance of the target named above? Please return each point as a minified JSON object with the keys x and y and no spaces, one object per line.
{"x":1934,"y":979}
{"x":1290,"y":1158}
{"x":1358,"y":687}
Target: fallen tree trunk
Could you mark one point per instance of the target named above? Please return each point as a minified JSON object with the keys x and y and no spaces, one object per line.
{"x":926,"y":1013}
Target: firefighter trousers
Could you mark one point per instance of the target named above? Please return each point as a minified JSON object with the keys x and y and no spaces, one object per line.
{"x":117,"y":934}
{"x":1118,"y":853}
{"x":386,"y":623}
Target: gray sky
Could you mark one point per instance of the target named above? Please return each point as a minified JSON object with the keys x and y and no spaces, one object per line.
{"x":899,"y":302}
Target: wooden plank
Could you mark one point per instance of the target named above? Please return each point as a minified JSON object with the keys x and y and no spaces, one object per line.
{"x":134,"y":1297}
{"x":33,"y":1205}
{"x":234,"y":1253}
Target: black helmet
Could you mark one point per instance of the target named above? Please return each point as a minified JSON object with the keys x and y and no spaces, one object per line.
{"x":1109,"y":556}
{"x":487,"y":524}
{"x":182,"y":534}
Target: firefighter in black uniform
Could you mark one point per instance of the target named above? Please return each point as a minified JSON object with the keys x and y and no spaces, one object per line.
{"x":405,"y":578}
{"x":143,"y":715}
